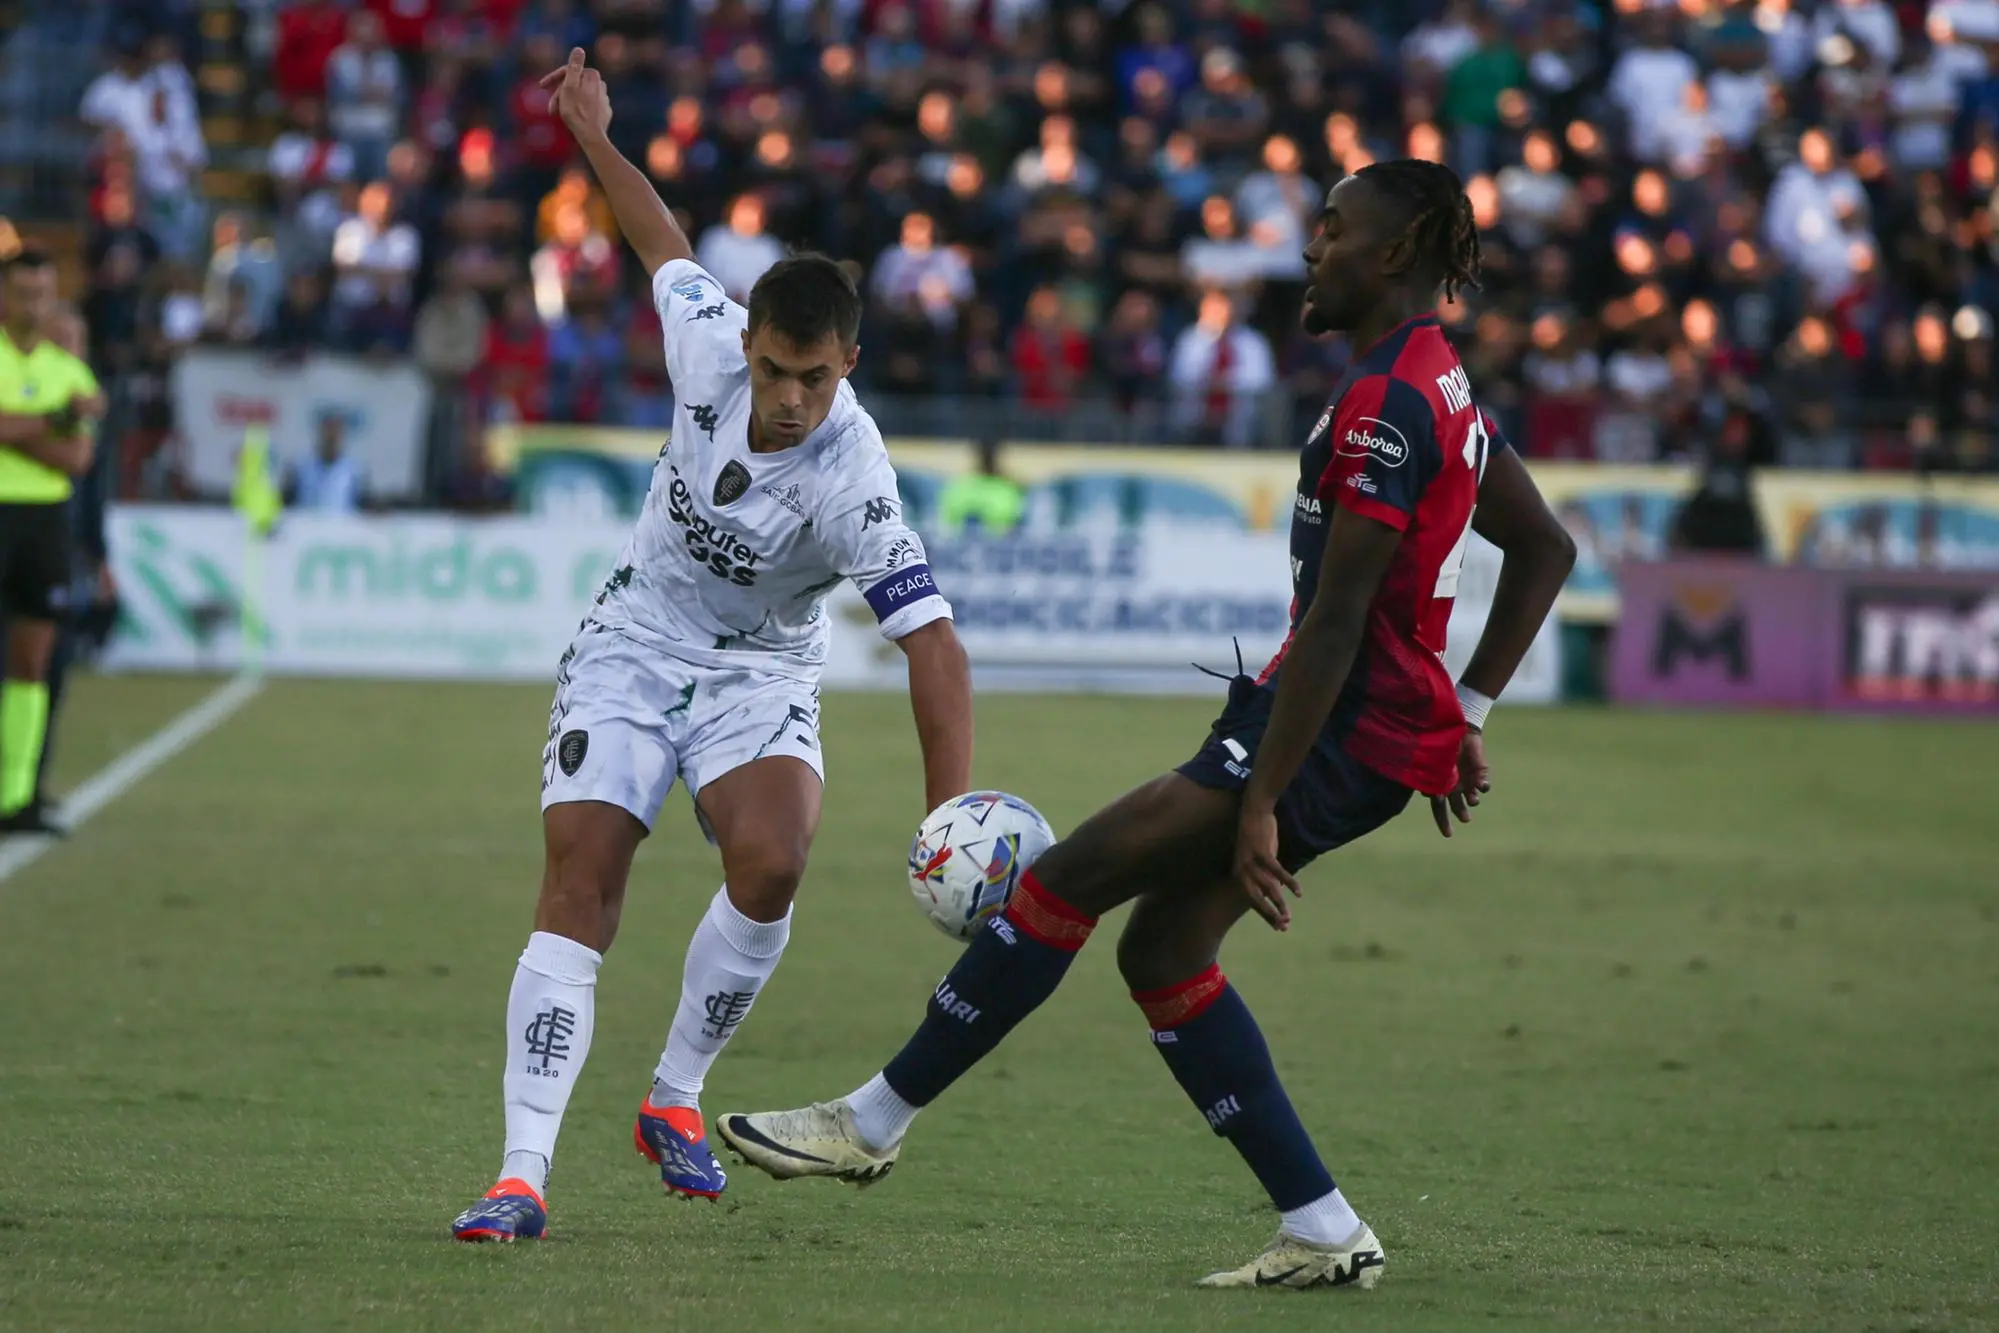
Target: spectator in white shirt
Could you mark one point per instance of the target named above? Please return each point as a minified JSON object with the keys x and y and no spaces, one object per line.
{"x":1816,"y":218}
{"x":1056,"y":162}
{"x":246,"y":262}
{"x":1869,"y":22}
{"x":309,"y":170}
{"x":1648,"y":84}
{"x":1687,"y":133}
{"x":1924,"y":99}
{"x":1535,"y":195}
{"x":1221,"y":371}
{"x":364,"y":94}
{"x":1277,"y":203}
{"x":329,"y":480}
{"x":1221,"y":256}
{"x":918,"y":272}
{"x":148,"y":99}
{"x":1958,"y":48}
{"x":1739,"y":87}
{"x":1435,"y":47}
{"x":737,"y":253}
{"x":374,"y":259}
{"x":116,"y":97}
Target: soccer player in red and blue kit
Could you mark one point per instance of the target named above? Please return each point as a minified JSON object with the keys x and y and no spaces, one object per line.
{"x":1354,"y":715}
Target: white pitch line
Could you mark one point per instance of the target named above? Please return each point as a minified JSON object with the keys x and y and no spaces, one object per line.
{"x":128,"y":770}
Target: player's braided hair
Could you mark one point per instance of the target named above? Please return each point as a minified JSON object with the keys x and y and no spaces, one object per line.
{"x":1441,"y":223}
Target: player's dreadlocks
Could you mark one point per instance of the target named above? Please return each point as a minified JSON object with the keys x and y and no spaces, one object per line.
{"x":1441,"y":225}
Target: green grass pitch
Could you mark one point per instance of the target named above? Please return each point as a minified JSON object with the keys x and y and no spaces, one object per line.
{"x":1696,"y":1027}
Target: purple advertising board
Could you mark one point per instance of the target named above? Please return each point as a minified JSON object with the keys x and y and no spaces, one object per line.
{"x":1721,"y":632}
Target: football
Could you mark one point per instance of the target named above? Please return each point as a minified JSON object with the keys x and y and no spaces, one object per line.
{"x":970,"y":853}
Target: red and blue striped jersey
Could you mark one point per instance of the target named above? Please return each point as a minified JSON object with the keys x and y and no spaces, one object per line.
{"x":1400,"y":443}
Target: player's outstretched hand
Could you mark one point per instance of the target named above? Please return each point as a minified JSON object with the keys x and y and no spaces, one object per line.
{"x":1258,"y":873}
{"x":578,"y":95}
{"x":1474,"y":781}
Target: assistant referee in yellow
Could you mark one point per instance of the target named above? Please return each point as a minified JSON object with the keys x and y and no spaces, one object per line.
{"x":48,"y":400}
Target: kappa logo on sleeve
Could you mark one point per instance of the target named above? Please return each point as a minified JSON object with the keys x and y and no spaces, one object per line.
{"x":1373,"y":436}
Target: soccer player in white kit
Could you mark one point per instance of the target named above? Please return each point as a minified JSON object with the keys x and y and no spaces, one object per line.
{"x":700,"y":660}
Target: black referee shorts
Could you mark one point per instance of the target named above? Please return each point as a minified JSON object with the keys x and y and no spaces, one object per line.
{"x":34,"y":560}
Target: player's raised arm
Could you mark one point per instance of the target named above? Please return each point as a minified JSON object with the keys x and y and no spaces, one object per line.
{"x":580,"y":98}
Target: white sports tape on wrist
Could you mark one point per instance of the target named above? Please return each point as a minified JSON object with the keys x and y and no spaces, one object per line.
{"x":1475,"y":705}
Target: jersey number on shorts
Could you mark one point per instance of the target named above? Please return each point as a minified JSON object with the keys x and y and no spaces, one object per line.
{"x":1476,"y":444}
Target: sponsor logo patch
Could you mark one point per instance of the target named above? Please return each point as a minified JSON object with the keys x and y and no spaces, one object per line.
{"x":788,"y":497}
{"x":1375,"y":437}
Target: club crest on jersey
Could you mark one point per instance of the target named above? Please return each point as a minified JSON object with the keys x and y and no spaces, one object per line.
{"x":1372,"y":435}
{"x":731,"y":485}
{"x":569,"y":751}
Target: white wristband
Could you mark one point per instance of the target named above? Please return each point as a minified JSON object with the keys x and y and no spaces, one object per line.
{"x":1475,"y":706}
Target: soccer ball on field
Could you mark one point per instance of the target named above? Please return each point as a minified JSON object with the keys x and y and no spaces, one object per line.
{"x":970,"y":853}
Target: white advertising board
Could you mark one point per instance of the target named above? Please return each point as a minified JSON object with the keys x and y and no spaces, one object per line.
{"x":499,"y":598}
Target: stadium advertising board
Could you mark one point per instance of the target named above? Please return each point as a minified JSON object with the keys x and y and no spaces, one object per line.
{"x":1706,"y":633}
{"x":1614,"y":513}
{"x":384,"y":409}
{"x":433,"y":596}
{"x":1869,"y":520}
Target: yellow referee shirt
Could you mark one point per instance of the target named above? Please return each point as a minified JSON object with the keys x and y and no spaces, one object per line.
{"x":43,"y":379}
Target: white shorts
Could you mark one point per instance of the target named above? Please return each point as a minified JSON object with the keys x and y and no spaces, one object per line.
{"x":628,"y":720}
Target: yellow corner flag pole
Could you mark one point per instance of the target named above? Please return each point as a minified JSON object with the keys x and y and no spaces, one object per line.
{"x":257,"y":498}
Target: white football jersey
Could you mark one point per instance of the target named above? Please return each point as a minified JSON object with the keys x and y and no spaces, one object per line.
{"x":735,"y":551}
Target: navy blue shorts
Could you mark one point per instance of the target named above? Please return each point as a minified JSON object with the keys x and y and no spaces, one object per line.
{"x":1333,"y":799}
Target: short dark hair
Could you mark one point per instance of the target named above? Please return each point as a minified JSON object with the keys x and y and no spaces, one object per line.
{"x":28,"y":259}
{"x":1440,"y":218}
{"x":804,"y":297}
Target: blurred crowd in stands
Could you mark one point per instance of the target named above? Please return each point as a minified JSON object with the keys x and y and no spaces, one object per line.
{"x":1763,"y":231}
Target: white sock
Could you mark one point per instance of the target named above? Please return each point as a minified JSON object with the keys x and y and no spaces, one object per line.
{"x":1327,"y":1220}
{"x":550,"y":1013}
{"x":880,"y":1113}
{"x":728,"y":961}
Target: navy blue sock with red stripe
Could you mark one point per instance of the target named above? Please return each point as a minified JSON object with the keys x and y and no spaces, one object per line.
{"x":1009,"y":968}
{"x":1215,"y":1050}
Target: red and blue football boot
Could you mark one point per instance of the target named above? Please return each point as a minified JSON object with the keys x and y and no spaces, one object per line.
{"x":675,"y":1139}
{"x":511,"y":1210}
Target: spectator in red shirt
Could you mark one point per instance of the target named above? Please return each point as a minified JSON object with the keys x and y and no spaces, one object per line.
{"x":405,"y":23}
{"x":541,"y":144}
{"x":515,"y":373}
{"x":308,"y":34}
{"x":1050,"y":358}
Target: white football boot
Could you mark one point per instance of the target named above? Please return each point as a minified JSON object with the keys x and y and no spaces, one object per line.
{"x":1299,"y":1264}
{"x":816,"y":1140}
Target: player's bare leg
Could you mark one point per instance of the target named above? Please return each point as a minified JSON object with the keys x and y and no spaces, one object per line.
{"x":763,"y":816}
{"x":1209,"y":1040}
{"x":551,"y":1009}
{"x":1169,"y":832}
